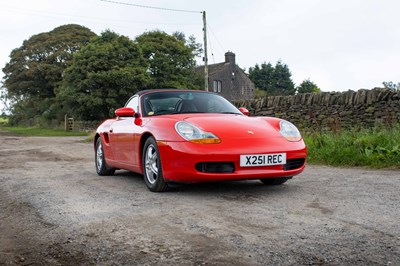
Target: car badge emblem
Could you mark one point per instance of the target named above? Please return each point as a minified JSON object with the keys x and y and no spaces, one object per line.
{"x":250,"y":132}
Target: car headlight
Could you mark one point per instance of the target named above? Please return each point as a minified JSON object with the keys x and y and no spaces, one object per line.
{"x":289,"y":131}
{"x":194,"y":134}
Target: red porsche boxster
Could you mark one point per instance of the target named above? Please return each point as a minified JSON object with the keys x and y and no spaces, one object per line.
{"x":188,"y":136}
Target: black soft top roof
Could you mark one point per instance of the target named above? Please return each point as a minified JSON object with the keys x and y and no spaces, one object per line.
{"x":166,"y":89}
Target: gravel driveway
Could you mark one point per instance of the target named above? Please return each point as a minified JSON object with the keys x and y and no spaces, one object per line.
{"x":55,"y":210}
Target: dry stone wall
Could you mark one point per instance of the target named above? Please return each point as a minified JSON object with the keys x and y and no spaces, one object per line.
{"x":331,"y":110}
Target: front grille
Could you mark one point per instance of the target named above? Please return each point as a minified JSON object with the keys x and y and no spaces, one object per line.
{"x":215,"y":167}
{"x":292,"y":164}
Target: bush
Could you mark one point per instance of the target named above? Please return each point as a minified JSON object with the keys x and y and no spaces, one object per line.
{"x":3,"y":121}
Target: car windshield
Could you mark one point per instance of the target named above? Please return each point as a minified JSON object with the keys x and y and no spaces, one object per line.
{"x":175,"y":102}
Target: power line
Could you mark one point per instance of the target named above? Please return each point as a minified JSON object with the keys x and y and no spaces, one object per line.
{"x":212,"y":52}
{"x":215,"y":37}
{"x":102,"y":20}
{"x":152,"y":7}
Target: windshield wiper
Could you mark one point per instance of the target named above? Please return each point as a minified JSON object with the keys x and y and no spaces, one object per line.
{"x":188,"y":112}
{"x":231,"y":113}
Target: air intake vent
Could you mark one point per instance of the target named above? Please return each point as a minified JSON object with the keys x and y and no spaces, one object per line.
{"x":292,"y":164}
{"x":215,"y":167}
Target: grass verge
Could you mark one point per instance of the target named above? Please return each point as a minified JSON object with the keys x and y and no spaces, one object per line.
{"x":42,"y":132}
{"x":375,"y":148}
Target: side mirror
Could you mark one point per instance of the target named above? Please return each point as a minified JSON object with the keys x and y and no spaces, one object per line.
{"x":244,"y":111}
{"x":125,"y":112}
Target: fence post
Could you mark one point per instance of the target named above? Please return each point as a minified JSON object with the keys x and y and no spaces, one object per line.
{"x":69,"y":123}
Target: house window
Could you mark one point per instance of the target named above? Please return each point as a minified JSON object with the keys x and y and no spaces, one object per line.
{"x":217,"y":86}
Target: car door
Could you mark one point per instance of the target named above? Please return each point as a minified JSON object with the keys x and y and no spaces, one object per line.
{"x":124,"y":137}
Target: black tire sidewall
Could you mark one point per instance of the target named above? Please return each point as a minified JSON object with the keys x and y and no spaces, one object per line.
{"x":159,"y":185}
{"x":104,"y":170}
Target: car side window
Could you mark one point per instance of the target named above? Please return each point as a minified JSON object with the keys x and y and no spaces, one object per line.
{"x":133,"y":103}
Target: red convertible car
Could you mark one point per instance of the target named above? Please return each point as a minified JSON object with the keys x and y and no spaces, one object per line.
{"x":173,"y":135}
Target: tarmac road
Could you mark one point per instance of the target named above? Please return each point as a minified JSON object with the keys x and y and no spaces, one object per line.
{"x":55,"y":210}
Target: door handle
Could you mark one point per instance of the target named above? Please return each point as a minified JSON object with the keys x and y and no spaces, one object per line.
{"x":111,"y":130}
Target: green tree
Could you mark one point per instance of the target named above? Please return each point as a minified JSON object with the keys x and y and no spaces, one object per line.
{"x":262,"y":76}
{"x":103,"y":75}
{"x":170,"y":60}
{"x":3,"y":100}
{"x":274,"y":80}
{"x":307,"y":86}
{"x":197,"y":49}
{"x":35,"y":69}
{"x":282,"y":81}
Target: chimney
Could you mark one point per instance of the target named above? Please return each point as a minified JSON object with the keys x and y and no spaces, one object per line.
{"x":230,"y":57}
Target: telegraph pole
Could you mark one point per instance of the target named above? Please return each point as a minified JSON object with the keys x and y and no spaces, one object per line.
{"x":205,"y":52}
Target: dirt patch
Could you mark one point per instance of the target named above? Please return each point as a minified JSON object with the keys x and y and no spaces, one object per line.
{"x":317,"y":205}
{"x":55,"y":210}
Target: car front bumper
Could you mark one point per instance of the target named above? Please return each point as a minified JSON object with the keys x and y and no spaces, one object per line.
{"x":190,"y":162}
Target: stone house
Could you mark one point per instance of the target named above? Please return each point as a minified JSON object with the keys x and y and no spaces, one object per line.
{"x":228,"y":79}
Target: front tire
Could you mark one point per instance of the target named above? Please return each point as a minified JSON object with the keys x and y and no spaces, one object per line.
{"x":274,"y":181}
{"x":152,"y":170}
{"x":101,"y":167}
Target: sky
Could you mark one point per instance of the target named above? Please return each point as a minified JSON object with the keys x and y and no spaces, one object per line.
{"x":338,"y":44}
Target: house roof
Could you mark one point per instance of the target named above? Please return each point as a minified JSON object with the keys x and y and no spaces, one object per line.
{"x":234,"y":81}
{"x":212,"y":68}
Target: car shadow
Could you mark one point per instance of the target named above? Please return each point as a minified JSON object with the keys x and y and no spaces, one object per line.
{"x":246,"y":186}
{"x":228,"y":187}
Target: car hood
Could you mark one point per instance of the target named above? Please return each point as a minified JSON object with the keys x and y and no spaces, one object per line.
{"x":235,"y":126}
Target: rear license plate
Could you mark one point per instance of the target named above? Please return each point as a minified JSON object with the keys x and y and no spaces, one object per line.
{"x":262,"y":159}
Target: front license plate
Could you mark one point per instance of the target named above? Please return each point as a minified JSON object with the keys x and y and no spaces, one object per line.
{"x":262,"y":159}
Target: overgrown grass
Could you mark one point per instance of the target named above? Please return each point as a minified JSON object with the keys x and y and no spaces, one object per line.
{"x":376,"y":148}
{"x":42,"y":132}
